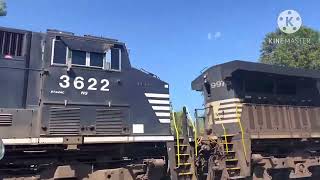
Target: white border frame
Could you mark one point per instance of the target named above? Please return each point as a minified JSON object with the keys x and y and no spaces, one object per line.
{"x":52,"y":54}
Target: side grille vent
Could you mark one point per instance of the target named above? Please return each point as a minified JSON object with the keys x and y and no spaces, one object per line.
{"x":64,"y":121}
{"x":5,"y":119}
{"x":109,"y":121}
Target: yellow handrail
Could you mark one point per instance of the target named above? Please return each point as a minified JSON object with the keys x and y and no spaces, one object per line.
{"x":225,"y":138}
{"x":195,"y":132}
{"x":177,"y":137}
{"x":224,"y":132}
{"x":242,"y":134}
{"x":195,"y":138}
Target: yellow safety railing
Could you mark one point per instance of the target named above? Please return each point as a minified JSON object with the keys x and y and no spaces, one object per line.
{"x":224,"y":132}
{"x":194,"y":131}
{"x":195,"y":137}
{"x":242,"y":133}
{"x":225,"y":138}
{"x":177,"y":137}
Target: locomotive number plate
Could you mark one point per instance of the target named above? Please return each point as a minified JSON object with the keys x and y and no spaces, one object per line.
{"x":80,"y":83}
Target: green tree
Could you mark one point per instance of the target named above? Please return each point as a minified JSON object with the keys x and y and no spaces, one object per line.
{"x":300,"y":49}
{"x":3,"y":8}
{"x":178,"y":118}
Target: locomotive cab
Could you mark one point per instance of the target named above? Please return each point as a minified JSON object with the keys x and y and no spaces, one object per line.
{"x":72,"y":85}
{"x":259,"y":83}
{"x":84,"y":85}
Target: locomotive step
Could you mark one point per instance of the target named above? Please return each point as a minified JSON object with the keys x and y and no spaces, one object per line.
{"x":226,"y":143}
{"x":183,"y":154}
{"x":182,"y":145}
{"x":185,"y":164}
{"x":185,"y":174}
{"x":228,"y":135}
{"x":229,"y":160}
{"x":230,"y":151}
{"x":233,"y":168}
{"x":237,"y":177}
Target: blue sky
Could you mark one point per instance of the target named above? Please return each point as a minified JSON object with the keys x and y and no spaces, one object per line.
{"x":173,"y":39}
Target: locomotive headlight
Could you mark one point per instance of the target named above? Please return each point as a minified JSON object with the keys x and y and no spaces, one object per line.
{"x":1,"y":149}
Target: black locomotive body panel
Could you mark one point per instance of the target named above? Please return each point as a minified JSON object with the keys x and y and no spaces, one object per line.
{"x":260,"y":83}
{"x":56,"y":84}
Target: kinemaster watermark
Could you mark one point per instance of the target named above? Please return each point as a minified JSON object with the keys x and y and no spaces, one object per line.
{"x":289,"y":22}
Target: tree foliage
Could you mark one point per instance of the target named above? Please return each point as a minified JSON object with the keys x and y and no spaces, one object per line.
{"x":178,"y":116}
{"x":3,"y":8}
{"x":300,"y":49}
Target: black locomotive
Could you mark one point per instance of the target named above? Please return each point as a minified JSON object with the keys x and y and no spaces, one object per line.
{"x":73,"y":105}
{"x":262,"y":122}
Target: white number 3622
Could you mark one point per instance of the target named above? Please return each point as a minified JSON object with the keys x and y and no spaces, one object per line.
{"x":79,"y":84}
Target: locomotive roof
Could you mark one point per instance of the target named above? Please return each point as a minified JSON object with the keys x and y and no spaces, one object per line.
{"x":69,"y":35}
{"x":226,"y":70}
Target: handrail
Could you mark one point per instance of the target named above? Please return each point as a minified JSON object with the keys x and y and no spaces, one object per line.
{"x":195,"y":132}
{"x":225,"y":138}
{"x":242,"y":134}
{"x":177,"y":136}
{"x":195,"y":137}
{"x":224,"y":132}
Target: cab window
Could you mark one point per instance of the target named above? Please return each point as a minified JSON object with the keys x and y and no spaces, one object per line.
{"x":113,"y":59}
{"x":96,"y":59}
{"x":59,"y":52}
{"x":78,"y":57}
{"x":64,"y":53}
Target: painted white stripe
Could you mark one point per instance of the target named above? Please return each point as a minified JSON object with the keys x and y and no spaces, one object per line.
{"x":162,"y":114}
{"x":156,"y":95}
{"x":230,"y":116}
{"x":59,"y":140}
{"x":18,"y":141}
{"x":50,"y":140}
{"x":316,"y":134}
{"x":161,"y":108}
{"x":230,"y":110}
{"x":231,"y":106}
{"x":105,"y":139}
{"x":151,"y":101}
{"x":229,"y":100}
{"x":153,"y":138}
{"x":88,"y":140}
{"x":164,"y":120}
{"x":5,"y":114}
{"x":226,"y":121}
